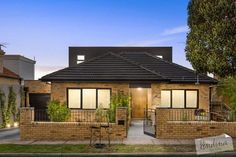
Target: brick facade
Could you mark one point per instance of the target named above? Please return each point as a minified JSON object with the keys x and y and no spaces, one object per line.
{"x":203,"y":93}
{"x":166,"y":129}
{"x":59,"y":89}
{"x":36,"y":86}
{"x":30,"y":130}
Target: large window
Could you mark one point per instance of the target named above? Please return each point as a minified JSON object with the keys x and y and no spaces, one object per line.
{"x":191,"y":99}
{"x":74,"y":98}
{"x":104,"y":97}
{"x":88,"y":98}
{"x":179,"y":98}
{"x":165,"y":98}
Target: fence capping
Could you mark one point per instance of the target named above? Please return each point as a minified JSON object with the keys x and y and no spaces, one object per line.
{"x":200,"y":122}
{"x":27,"y":108}
{"x":122,"y":107}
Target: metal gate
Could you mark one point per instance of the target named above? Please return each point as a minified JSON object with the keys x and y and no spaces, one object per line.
{"x":149,"y":123}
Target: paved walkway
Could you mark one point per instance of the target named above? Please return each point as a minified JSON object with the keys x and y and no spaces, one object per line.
{"x":136,"y":136}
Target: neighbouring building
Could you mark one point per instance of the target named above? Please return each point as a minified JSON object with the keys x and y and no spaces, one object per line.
{"x":9,"y":79}
{"x":22,"y":66}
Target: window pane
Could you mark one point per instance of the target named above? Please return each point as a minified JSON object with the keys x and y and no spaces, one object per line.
{"x":80,"y":57}
{"x":89,"y":98}
{"x":165,"y":98}
{"x":178,"y":98}
{"x":191,"y":99}
{"x":104,"y":97}
{"x":78,"y":62}
{"x":74,"y":97}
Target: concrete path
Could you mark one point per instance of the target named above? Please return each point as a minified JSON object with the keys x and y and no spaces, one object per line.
{"x":9,"y":134}
{"x":136,"y":136}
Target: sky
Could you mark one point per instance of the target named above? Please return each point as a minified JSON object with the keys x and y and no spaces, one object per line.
{"x":44,"y":29}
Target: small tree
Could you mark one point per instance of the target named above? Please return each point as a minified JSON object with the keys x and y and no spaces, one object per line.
{"x":11,"y":108}
{"x":101,"y":113}
{"x":57,"y":112}
{"x":2,"y":107}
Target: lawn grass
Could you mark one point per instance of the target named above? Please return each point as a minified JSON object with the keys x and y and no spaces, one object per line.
{"x":81,"y":148}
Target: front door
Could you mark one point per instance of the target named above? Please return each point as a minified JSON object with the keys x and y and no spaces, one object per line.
{"x":139,"y":102}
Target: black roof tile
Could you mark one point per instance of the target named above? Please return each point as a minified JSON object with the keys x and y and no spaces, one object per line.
{"x":128,"y":67}
{"x":104,"y":68}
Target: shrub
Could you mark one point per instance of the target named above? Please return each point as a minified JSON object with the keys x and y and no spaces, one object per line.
{"x":118,"y":100}
{"x":57,"y":112}
{"x":101,"y":113}
{"x":227,"y":88}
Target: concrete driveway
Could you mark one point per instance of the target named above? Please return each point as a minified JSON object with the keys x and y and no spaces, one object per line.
{"x":9,"y":135}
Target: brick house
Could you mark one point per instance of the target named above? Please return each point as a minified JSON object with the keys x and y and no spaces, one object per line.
{"x":9,"y":79}
{"x":147,"y":74}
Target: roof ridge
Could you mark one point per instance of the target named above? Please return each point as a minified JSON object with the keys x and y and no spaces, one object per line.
{"x":135,"y":63}
{"x":180,"y":66}
{"x":86,"y":61}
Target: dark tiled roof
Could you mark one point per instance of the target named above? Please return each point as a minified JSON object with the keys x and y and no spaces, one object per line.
{"x":9,"y":74}
{"x":127,"y":67}
{"x":172,"y":71}
{"x":107,"y":67}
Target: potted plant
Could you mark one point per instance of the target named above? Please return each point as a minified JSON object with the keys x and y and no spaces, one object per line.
{"x":200,"y":114}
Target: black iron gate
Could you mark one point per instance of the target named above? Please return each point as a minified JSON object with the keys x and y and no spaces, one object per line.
{"x":149,"y":123}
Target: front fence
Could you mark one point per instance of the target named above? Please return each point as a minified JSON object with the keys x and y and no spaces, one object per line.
{"x":75,"y":116}
{"x":35,"y":125}
{"x":187,"y":115}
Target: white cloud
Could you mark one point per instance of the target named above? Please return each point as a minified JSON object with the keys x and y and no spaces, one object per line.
{"x":176,"y":30}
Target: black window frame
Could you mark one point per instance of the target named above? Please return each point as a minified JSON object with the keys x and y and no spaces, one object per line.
{"x":185,"y":105}
{"x":81,"y":97}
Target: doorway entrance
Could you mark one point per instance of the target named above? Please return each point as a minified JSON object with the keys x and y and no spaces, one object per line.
{"x":139,"y":102}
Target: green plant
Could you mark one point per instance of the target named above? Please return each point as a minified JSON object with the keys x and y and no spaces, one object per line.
{"x":6,"y":117}
{"x":101,"y":113}
{"x":2,"y":107}
{"x":57,"y":112}
{"x":227,"y":88}
{"x":11,"y":108}
{"x":231,"y":117}
{"x":118,"y":100}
